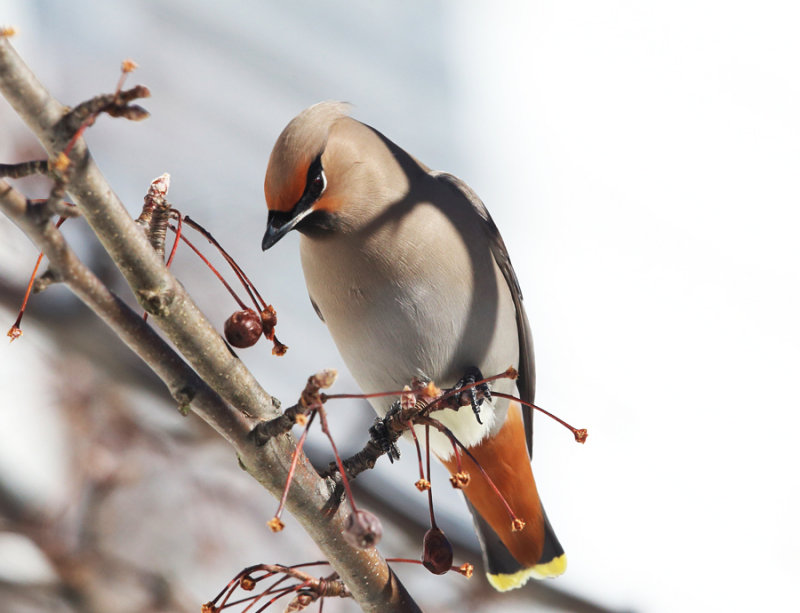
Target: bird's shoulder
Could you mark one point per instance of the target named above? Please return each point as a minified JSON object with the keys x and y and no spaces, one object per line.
{"x":526,"y":382}
{"x":498,"y":246}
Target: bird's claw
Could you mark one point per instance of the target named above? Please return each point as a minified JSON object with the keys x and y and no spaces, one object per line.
{"x":474,"y":395}
{"x":381,"y":435}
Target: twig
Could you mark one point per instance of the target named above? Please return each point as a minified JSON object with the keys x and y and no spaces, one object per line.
{"x":275,"y":524}
{"x":580,"y":434}
{"x":308,"y":590}
{"x":310,"y":400}
{"x":15,"y":332}
{"x":156,"y":212}
{"x":25,"y":169}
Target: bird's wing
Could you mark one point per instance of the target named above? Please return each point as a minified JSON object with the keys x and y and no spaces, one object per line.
{"x":526,"y":383}
{"x":316,"y":308}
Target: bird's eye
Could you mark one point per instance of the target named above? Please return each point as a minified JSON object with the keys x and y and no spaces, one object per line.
{"x":318,"y":184}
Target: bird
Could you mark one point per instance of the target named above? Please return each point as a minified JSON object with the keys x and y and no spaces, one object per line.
{"x":408,"y":271}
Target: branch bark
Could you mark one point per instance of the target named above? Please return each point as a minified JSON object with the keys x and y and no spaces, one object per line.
{"x":216,"y":384}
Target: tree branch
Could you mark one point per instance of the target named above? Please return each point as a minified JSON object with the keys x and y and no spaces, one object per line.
{"x":218,"y":386}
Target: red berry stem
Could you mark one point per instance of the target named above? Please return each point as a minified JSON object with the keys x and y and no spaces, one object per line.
{"x":457,"y":453}
{"x":363,"y":396}
{"x":245,"y":281}
{"x":580,"y":434}
{"x":423,"y":483}
{"x":428,"y":461}
{"x":457,"y":569}
{"x":453,"y":439}
{"x":178,"y":234}
{"x":293,"y":465}
{"x":323,"y":419}
{"x":15,"y":332}
{"x":211,"y":266}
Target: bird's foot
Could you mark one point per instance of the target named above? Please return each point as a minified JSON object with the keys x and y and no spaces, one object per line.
{"x":381,"y":435}
{"x":474,"y":395}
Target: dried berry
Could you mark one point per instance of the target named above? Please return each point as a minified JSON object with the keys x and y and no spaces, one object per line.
{"x":437,"y":553}
{"x":466,"y":569}
{"x":300,"y":602}
{"x":243,"y":328}
{"x":363,"y":529}
{"x":247,"y":583}
{"x":275,"y":524}
{"x":278,"y":348}
{"x":268,"y":320}
{"x":14,"y":333}
{"x":423,"y":485}
{"x":460,"y":480}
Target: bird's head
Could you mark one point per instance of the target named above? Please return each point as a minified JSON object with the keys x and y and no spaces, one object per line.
{"x":297,"y":186}
{"x":328,"y":173}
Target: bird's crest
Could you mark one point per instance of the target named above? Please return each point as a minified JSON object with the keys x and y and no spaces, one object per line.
{"x":297,"y":146}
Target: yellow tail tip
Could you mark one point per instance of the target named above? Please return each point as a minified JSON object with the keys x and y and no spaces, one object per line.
{"x":505,"y":582}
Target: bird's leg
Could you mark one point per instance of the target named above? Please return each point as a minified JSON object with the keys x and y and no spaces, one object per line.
{"x":381,"y":434}
{"x":474,"y":395}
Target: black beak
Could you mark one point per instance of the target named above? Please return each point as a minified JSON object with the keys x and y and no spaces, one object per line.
{"x":275,"y":230}
{"x":278,"y":225}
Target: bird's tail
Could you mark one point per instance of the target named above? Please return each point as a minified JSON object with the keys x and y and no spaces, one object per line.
{"x":511,"y":555}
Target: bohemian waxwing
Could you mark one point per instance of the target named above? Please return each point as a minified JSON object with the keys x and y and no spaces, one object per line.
{"x":411,"y":276}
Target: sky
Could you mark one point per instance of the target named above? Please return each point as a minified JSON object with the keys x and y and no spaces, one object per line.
{"x":640,"y":160}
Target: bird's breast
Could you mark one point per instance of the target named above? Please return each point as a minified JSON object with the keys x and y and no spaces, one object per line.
{"x":414,"y":300}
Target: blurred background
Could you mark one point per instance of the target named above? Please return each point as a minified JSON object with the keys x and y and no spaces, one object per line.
{"x":641,"y":161}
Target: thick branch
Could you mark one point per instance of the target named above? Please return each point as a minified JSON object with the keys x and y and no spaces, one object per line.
{"x":367,"y":575}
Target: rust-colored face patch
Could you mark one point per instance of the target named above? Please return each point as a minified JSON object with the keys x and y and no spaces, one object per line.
{"x":283,"y":192}
{"x":329,"y":204}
